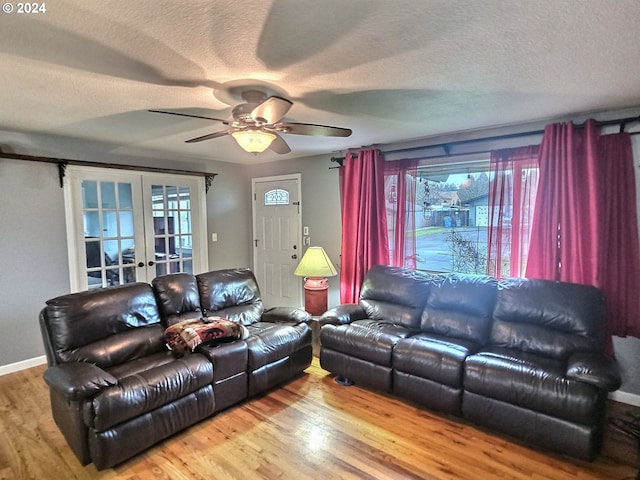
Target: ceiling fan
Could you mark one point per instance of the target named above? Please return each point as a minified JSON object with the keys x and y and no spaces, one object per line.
{"x":256,"y":124}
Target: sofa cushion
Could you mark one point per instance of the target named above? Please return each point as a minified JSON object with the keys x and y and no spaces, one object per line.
{"x":368,"y":340}
{"x":460,"y":306}
{"x":269,"y":342}
{"x":554,"y":319}
{"x":147,"y":390}
{"x":178,"y":297}
{"x":96,"y":317}
{"x":395,"y":295}
{"x":434,"y":357}
{"x":531,"y":381}
{"x":120,"y":347}
{"x":231,"y":293}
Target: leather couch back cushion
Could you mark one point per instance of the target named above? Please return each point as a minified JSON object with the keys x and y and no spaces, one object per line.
{"x":177,"y":294}
{"x":394,"y":294}
{"x":79,"y":319}
{"x":119,"y":348}
{"x":547,"y":317}
{"x":392,"y":312}
{"x":231,"y":293}
{"x":461,"y":306}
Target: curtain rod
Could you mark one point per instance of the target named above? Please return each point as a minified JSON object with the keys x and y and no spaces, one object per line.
{"x":64,"y":162}
{"x":446,"y":146}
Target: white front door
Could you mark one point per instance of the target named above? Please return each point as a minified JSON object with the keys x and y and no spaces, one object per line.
{"x":277,"y":239}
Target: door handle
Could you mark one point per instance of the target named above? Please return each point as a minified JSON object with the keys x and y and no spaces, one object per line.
{"x":294,"y":256}
{"x":140,"y":264}
{"x":151,"y":263}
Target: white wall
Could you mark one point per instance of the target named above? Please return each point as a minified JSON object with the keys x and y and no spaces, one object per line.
{"x":33,"y":249}
{"x":229,"y":216}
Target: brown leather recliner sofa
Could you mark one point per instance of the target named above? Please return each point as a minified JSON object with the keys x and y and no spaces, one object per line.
{"x":115,"y":387}
{"x":519,"y":356}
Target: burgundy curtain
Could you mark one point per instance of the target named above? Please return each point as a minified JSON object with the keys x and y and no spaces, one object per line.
{"x":512,"y":193}
{"x":585,"y":226}
{"x":400,"y":200}
{"x":364,"y":220}
{"x":565,"y":241}
{"x":620,"y":261}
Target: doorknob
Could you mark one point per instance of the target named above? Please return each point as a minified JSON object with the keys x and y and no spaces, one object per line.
{"x":150,"y":263}
{"x":140,"y":264}
{"x":294,"y":256}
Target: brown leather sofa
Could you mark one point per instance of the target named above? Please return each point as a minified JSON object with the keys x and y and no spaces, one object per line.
{"x":116,"y":389}
{"x":519,"y":356}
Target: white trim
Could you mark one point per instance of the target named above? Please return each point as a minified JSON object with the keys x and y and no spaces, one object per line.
{"x":625,"y":397}
{"x":23,"y":365}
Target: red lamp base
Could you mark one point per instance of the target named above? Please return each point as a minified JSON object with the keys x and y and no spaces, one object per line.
{"x":315,"y":295}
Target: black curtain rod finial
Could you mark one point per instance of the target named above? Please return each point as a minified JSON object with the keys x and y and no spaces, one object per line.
{"x":338,"y":160}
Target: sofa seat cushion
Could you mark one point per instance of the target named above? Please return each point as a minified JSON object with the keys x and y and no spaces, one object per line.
{"x":143,"y":364}
{"x":531,"y":381}
{"x":144,"y":391}
{"x":433,"y":357}
{"x":368,"y":340}
{"x":270,"y":342}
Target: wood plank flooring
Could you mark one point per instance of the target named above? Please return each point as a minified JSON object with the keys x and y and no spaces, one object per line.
{"x":310,"y":429}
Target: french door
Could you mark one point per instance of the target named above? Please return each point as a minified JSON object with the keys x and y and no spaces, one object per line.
{"x":128,"y":227}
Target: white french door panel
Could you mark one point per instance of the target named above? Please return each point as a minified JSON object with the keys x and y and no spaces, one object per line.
{"x":105,"y":227}
{"x":277,"y":237}
{"x":175,"y":224}
{"x":125,"y":227}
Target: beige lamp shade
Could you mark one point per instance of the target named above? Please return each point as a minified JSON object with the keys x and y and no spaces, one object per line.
{"x":253,"y":141}
{"x":315,"y":263}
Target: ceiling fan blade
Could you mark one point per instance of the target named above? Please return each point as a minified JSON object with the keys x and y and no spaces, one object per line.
{"x":188,"y":115}
{"x":271,"y":110}
{"x":279,"y":145}
{"x":209,"y":136}
{"x":311,"y":129}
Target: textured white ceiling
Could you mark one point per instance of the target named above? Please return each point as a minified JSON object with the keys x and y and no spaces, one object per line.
{"x":77,"y":81}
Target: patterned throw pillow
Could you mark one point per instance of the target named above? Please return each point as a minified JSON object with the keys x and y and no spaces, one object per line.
{"x":183,"y":337}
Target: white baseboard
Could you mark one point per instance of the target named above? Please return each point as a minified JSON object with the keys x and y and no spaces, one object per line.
{"x":23,"y":365}
{"x":624,"y":397}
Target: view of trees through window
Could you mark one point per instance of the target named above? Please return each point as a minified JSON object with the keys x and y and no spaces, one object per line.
{"x":451,"y":219}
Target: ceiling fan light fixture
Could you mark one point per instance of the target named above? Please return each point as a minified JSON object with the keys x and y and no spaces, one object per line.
{"x":253,"y":141}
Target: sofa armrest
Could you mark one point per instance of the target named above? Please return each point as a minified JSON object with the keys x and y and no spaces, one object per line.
{"x":343,"y":314}
{"x":285,"y":315}
{"x":596,"y":369}
{"x":78,"y":380}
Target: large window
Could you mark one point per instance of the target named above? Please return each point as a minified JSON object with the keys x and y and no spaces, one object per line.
{"x":451,"y":220}
{"x":453,"y":213}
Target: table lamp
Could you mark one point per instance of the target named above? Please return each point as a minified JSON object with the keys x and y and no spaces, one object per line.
{"x":315,"y":266}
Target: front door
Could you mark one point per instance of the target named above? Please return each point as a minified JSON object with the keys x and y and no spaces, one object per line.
{"x":277,"y":239}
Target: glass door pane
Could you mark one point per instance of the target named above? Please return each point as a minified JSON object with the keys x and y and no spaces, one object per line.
{"x":172,"y":229}
{"x":109,"y":232}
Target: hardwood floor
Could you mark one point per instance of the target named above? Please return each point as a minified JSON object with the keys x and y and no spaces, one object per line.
{"x":310,"y":429}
